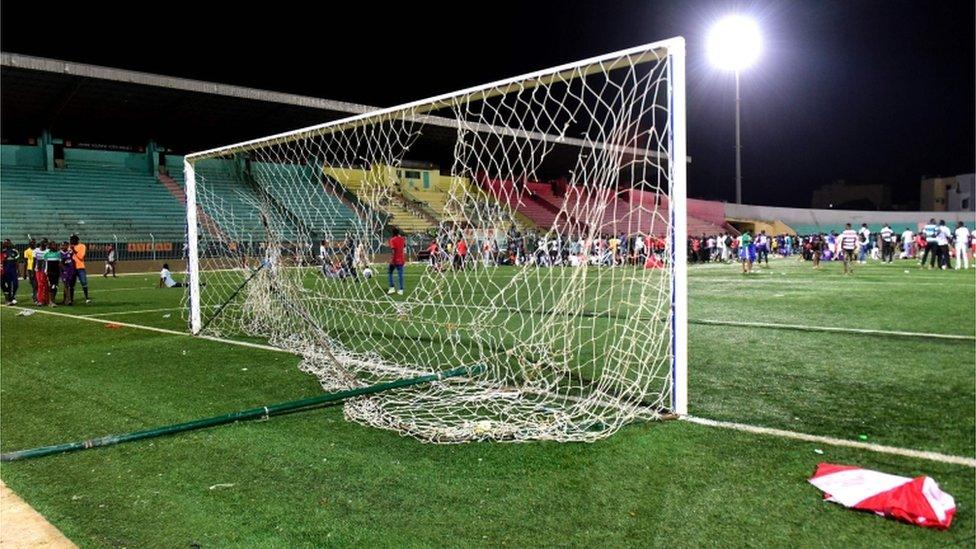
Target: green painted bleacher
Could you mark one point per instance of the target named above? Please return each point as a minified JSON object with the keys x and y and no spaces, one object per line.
{"x":100,"y":202}
{"x":300,"y":190}
{"x":235,"y":206}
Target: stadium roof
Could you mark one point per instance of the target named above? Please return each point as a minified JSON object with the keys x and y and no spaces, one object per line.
{"x":90,"y":103}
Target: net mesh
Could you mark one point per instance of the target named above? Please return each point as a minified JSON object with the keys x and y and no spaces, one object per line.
{"x":538,"y":238}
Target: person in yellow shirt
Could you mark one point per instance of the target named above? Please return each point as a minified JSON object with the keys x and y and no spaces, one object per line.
{"x":29,"y":268}
{"x":79,"y":257}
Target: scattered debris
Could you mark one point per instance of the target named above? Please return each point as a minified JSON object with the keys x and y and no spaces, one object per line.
{"x":26,"y":312}
{"x":225,"y":485}
{"x":818,"y":451}
{"x":113,"y":326}
{"x":167,"y":315}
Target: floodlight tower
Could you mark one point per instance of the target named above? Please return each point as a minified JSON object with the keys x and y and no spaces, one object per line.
{"x":733,"y":45}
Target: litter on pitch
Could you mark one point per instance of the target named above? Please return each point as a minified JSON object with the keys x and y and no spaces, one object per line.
{"x":917,"y":501}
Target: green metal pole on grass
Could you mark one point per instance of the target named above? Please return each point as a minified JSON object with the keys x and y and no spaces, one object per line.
{"x":253,"y":413}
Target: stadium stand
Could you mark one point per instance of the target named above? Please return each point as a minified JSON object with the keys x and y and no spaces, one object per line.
{"x":103,"y":201}
{"x":390,"y":200}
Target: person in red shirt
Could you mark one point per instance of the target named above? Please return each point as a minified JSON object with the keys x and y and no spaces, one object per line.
{"x":433,"y":256}
{"x":398,"y":258}
{"x":461,"y":253}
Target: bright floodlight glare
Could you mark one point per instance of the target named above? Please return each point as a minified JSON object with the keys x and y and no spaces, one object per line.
{"x":734,"y":43}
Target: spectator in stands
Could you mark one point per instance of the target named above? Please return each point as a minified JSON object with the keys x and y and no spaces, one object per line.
{"x":68,"y":274}
{"x":79,"y":253}
{"x":9,"y":277}
{"x":29,"y":268}
{"x":398,"y":259}
{"x":110,"y":262}
{"x":166,"y":278}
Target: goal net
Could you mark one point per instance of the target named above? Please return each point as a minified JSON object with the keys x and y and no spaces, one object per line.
{"x":544,"y":224}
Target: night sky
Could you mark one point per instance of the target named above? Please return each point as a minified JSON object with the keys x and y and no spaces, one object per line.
{"x":865,"y":91}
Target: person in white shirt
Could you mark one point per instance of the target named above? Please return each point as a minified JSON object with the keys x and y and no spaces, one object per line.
{"x":865,"y":242}
{"x":887,"y":244}
{"x":907,"y":241}
{"x":166,"y":278}
{"x":931,"y":231}
{"x":942,"y":239}
{"x":723,"y":251}
{"x":962,"y":245}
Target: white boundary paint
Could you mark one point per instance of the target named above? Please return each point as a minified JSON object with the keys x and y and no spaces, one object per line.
{"x":766,"y":431}
{"x":865,"y":331}
{"x":793,"y":435}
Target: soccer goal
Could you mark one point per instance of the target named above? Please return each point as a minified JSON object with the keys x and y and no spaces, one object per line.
{"x":544,"y":217}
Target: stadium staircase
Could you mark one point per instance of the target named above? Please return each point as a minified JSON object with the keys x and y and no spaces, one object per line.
{"x":179,"y":194}
{"x":100,"y":202}
{"x":399,"y":212}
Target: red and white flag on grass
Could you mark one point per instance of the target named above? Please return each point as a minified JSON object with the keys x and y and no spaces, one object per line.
{"x":917,"y":501}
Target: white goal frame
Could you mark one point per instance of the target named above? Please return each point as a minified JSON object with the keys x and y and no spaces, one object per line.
{"x":675,"y":48}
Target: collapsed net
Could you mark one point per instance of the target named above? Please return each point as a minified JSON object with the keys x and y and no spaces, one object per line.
{"x":537,"y":178}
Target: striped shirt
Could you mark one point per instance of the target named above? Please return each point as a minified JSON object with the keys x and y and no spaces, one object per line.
{"x":930,"y":231}
{"x":848,"y":239}
{"x":886,"y":234}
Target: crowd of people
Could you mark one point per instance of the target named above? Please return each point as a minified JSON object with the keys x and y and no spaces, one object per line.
{"x":935,"y":246}
{"x":48,"y":266}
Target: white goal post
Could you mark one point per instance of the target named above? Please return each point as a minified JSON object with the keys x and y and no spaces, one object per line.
{"x":568,"y":188}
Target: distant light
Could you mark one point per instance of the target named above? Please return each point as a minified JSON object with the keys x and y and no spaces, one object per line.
{"x":734,"y":43}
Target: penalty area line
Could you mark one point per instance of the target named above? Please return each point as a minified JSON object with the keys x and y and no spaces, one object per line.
{"x":831,"y":441}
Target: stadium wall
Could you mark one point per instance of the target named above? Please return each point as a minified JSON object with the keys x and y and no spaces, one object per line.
{"x":806,"y":220}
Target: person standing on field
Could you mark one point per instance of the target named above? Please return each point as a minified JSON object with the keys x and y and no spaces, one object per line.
{"x":887,"y":244}
{"x":864,"y":234}
{"x":930,"y":232}
{"x":942,"y":238}
{"x":29,"y":268}
{"x":79,"y":254}
{"x":962,"y":246}
{"x":110,"y":262}
{"x":10,"y":275}
{"x":398,"y":259}
{"x":907,"y":241}
{"x":848,"y":245}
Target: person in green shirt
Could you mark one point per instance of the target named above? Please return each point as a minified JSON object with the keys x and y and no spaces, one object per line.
{"x":52,"y":258}
{"x":747,"y":252}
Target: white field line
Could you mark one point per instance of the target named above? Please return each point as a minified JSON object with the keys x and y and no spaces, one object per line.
{"x":832,"y":329}
{"x":831,"y":441}
{"x":919,"y":454}
{"x":96,"y":315}
{"x":835,"y":329}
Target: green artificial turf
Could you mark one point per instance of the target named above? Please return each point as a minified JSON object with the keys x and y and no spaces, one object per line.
{"x":314,"y":479}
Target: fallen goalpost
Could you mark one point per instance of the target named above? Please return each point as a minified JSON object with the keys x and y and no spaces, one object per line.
{"x":465,"y":355}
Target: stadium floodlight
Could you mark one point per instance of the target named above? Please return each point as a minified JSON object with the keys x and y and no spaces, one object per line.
{"x":571,"y":342}
{"x":734,"y":44}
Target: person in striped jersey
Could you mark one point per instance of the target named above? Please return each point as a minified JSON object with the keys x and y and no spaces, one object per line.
{"x":848,"y":245}
{"x":887,"y":244}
